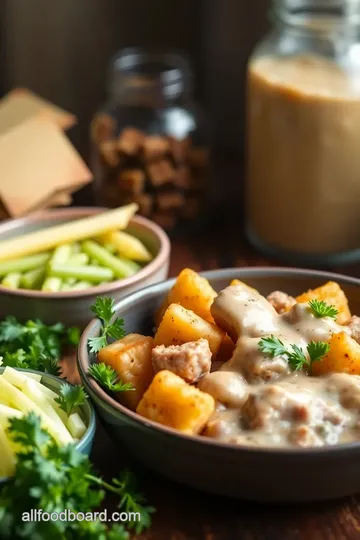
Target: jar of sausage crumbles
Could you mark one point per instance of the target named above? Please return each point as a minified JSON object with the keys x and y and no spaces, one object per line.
{"x":151,"y":140}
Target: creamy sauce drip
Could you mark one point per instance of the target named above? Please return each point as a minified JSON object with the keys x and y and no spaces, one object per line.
{"x":262,"y":402}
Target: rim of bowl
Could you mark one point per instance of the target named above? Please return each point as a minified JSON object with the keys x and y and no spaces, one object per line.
{"x":91,"y":427}
{"x":228,"y":273}
{"x":157,"y":262}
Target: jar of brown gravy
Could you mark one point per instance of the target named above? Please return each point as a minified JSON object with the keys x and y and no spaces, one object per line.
{"x":303,"y":133}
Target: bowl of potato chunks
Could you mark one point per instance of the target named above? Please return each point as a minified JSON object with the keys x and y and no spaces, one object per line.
{"x":239,"y":382}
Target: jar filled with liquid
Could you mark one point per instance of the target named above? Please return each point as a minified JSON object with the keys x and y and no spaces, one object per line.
{"x":303,"y":133}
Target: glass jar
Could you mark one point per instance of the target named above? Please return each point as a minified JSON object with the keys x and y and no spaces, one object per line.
{"x":303,"y":133}
{"x":150,"y":140}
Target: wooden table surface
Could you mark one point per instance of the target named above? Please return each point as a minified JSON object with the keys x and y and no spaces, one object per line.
{"x":185,"y":514}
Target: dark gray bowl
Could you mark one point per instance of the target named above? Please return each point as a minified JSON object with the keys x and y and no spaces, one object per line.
{"x":277,"y":475}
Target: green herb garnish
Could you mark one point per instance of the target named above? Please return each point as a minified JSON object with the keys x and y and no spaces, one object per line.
{"x":273,"y":346}
{"x":322,"y":309}
{"x":34,"y":345}
{"x":70,"y":397}
{"x":107,"y":377}
{"x":104,"y":310}
{"x":52,"y":478}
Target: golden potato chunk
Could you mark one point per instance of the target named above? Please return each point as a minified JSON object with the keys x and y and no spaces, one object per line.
{"x":172,"y":402}
{"x":180,"y":325}
{"x":191,"y":291}
{"x":332,"y":294}
{"x":130,"y":357}
{"x":343,"y":356}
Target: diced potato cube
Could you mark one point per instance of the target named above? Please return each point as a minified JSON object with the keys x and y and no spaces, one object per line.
{"x":172,"y":402}
{"x":130,"y":357}
{"x":191,"y":291}
{"x":343,"y":356}
{"x":332,"y":294}
{"x":180,"y":325}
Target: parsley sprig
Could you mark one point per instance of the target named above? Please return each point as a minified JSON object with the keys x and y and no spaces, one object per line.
{"x":104,"y":310}
{"x":34,"y":345}
{"x":107,"y":377}
{"x":321,"y":309}
{"x":54,"y":478}
{"x":70,"y":397}
{"x":273,"y":346}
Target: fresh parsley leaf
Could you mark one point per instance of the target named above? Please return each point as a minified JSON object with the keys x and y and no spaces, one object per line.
{"x":317,"y":349}
{"x":73,"y":335}
{"x":272,"y":346}
{"x":70,"y":397}
{"x":48,"y":365}
{"x":321,"y":309}
{"x":10,"y":329}
{"x":296,"y":357}
{"x":55,"y":478}
{"x":34,"y":345}
{"x":104,"y":310}
{"x":131,"y":500}
{"x":97,"y":343}
{"x":107,"y":377}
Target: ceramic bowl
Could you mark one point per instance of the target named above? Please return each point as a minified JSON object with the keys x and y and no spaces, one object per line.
{"x":73,"y":307}
{"x":87,"y":412}
{"x":260,"y":474}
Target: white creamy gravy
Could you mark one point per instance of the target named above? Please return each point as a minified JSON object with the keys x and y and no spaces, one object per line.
{"x":263,"y":402}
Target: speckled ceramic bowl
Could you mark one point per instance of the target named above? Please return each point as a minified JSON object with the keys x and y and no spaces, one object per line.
{"x":73,"y":307}
{"x":261,"y":474}
{"x":87,"y":411}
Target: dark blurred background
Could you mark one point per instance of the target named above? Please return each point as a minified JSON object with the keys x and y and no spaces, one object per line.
{"x":61,"y":49}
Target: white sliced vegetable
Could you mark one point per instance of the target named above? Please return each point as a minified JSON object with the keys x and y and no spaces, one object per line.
{"x":36,"y":376}
{"x":7,"y":455}
{"x":76,"y":426}
{"x":19,"y":400}
{"x":19,"y":378}
{"x":6,"y":413}
{"x":32,"y":392}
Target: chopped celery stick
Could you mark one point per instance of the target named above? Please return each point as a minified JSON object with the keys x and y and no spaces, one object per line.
{"x":122,"y":268}
{"x":34,"y":278}
{"x":109,"y":247}
{"x":80,"y":259}
{"x":76,"y":426}
{"x":52,"y":284}
{"x":18,"y":399}
{"x":11,"y":280}
{"x":86,"y":273}
{"x":61,"y":255}
{"x":24,"y":264}
{"x":8,"y":459}
{"x":126,"y":245}
{"x":81,"y":285}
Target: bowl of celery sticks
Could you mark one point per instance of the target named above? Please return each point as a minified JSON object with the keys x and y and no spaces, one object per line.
{"x":62,"y":409}
{"x":55,"y":263}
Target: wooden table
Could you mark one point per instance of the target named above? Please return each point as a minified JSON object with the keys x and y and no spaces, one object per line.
{"x":185,"y":514}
